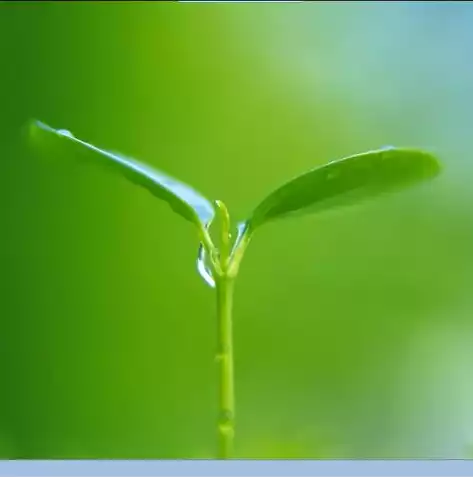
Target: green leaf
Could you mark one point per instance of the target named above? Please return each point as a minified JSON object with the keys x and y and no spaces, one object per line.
{"x":346,"y":182}
{"x":182,"y":198}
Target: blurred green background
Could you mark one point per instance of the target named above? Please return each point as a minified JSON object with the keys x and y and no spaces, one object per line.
{"x":353,"y":330}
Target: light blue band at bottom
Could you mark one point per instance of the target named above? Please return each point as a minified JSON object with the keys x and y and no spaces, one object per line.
{"x":204,"y":468}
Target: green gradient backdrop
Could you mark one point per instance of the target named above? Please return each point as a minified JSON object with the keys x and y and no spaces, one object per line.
{"x":353,"y":330}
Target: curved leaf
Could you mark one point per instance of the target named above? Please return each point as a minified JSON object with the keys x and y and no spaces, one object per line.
{"x":182,"y":198}
{"x":345,"y":182}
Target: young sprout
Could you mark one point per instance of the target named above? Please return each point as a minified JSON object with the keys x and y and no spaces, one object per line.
{"x":339,"y":183}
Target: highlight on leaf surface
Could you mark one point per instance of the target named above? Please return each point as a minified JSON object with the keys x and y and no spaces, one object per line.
{"x":346,"y":182}
{"x":182,"y":198}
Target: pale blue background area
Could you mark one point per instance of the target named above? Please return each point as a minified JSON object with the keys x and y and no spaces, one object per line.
{"x":237,"y":468}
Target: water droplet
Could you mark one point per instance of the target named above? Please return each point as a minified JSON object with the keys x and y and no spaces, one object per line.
{"x":241,"y":228}
{"x":387,"y":148}
{"x":65,"y":132}
{"x":202,"y":268}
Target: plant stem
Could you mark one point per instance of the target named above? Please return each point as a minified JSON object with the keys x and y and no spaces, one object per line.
{"x":225,"y":270}
{"x":226,"y":422}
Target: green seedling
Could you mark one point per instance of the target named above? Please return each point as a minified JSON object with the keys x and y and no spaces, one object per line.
{"x":339,"y":183}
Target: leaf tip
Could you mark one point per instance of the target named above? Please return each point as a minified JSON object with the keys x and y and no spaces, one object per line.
{"x":35,"y":125}
{"x":429,"y":162}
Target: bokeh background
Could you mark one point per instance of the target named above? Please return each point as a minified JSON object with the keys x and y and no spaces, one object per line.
{"x":353,"y":330}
